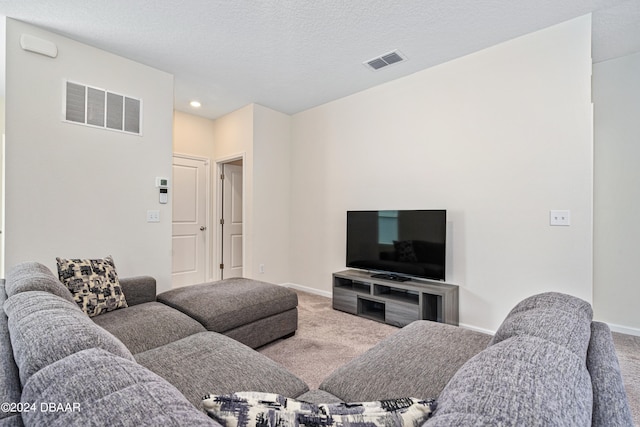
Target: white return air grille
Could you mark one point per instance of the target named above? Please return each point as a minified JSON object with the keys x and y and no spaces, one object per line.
{"x":99,"y":108}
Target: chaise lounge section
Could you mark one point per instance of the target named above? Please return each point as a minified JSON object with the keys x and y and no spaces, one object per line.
{"x":250,"y":311}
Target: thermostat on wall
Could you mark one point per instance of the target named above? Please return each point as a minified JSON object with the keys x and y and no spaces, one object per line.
{"x":162,"y":182}
{"x":164,"y":195}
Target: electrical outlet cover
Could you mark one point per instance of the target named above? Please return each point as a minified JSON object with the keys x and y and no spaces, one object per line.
{"x":560,"y":217}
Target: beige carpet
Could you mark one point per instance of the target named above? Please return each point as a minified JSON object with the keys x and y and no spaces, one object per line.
{"x":327,"y":339}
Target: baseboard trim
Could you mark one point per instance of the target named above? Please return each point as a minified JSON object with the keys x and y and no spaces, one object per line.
{"x":624,"y":329}
{"x":302,"y":288}
{"x":475,"y":328}
{"x":614,"y":328}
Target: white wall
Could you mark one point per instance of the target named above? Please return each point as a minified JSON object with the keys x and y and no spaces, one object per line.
{"x":233,"y":138}
{"x":616,"y":94}
{"x":262,"y":137}
{"x":192,"y":135}
{"x":3,"y":31}
{"x":75,"y":191}
{"x":272,"y":194}
{"x":498,"y":138}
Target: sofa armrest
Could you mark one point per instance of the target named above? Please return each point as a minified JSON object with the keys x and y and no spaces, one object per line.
{"x":610,"y":404}
{"x":139,"y":289}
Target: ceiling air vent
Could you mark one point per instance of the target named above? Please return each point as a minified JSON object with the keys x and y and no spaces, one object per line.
{"x":385,"y":60}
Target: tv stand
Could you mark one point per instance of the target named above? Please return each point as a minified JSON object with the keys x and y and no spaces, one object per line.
{"x":393,"y":277}
{"x":394,"y":302}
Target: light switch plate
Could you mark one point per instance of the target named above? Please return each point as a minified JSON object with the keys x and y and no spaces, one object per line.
{"x":560,"y":217}
{"x":153,"y":216}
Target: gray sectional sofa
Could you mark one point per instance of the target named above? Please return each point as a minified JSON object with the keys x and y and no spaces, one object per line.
{"x":150,"y":364}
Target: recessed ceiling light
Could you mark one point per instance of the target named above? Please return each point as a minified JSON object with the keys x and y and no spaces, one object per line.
{"x":195,"y":104}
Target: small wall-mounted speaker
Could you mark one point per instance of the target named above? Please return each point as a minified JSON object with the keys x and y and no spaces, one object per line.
{"x":37,"y":45}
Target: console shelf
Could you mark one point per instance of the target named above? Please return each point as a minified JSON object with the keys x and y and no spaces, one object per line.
{"x":392,"y":302}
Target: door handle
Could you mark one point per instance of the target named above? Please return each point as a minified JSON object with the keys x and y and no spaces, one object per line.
{"x":202,"y":228}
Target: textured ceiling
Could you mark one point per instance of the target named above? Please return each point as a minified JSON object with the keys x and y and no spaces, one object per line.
{"x":291,"y":55}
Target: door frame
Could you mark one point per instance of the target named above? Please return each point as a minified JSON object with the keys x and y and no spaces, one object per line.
{"x":207,"y":191}
{"x":218,"y":239}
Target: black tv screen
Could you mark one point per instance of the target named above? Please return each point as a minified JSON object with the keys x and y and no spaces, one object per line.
{"x":403,"y":243}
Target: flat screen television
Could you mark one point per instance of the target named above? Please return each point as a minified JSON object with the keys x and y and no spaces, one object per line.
{"x":398,"y":245}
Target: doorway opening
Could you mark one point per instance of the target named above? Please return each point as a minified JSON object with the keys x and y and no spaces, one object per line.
{"x":230,"y":200}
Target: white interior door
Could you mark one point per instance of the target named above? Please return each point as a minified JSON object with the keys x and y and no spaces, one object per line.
{"x":231,"y":221}
{"x":190,"y":201}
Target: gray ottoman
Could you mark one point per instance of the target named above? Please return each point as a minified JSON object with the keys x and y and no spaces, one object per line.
{"x":252,"y":312}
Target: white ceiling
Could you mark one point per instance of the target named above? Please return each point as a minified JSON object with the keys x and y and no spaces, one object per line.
{"x":291,"y":55}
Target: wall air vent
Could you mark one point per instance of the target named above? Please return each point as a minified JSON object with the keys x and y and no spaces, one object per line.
{"x":100,"y":108}
{"x":385,"y":60}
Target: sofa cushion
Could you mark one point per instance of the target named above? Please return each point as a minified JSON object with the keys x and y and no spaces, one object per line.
{"x":416,"y":361}
{"x":209,"y":362}
{"x":149,"y":325}
{"x":98,"y":388}
{"x":12,"y":420}
{"x":250,"y":409}
{"x":521,"y":381}
{"x":318,"y":396}
{"x":46,"y":328}
{"x":560,"y":318}
{"x":138,"y":289}
{"x":33,"y":276}
{"x":94,"y":284}
{"x":10,"y":388}
{"x":230,"y":303}
{"x":610,"y":407}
